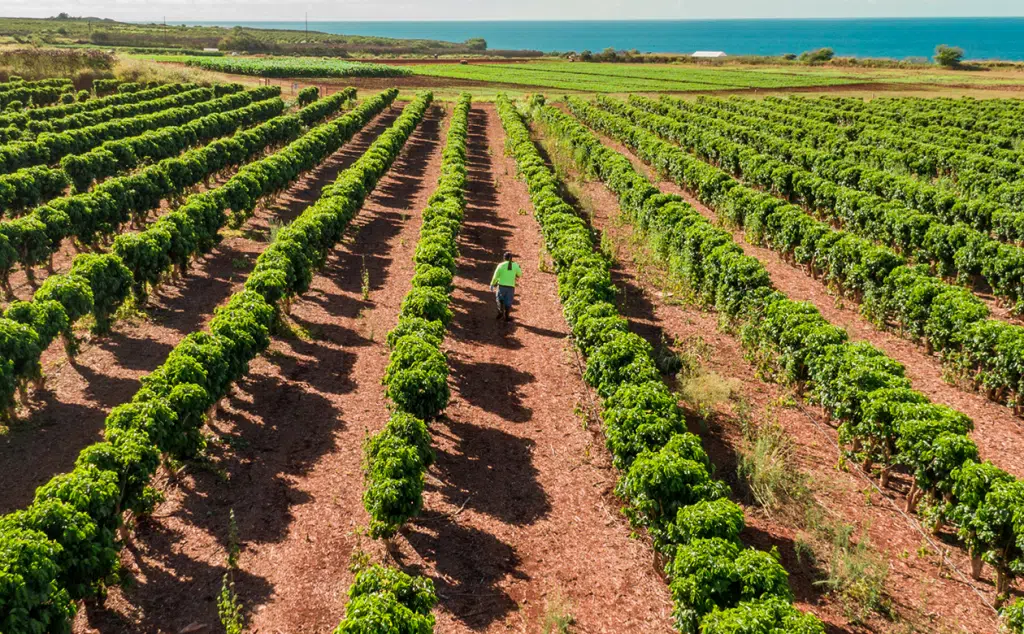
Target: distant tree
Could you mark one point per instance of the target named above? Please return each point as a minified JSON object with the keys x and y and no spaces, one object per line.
{"x":63,"y":16}
{"x":948,"y":56}
{"x":242,"y":40}
{"x":817,"y":56}
{"x":789,"y":56}
{"x":587,"y":56}
{"x":476,"y":44}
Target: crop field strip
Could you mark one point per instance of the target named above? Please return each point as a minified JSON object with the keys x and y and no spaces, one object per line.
{"x":97,"y":215}
{"x":847,"y":162}
{"x":728,"y":78}
{"x":882,"y":420}
{"x":977,"y":185}
{"x":50,"y":147}
{"x":106,"y":372}
{"x":507,"y":446}
{"x":100,"y":284}
{"x":280,"y":409}
{"x":398,"y":456}
{"x":25,"y":123}
{"x":667,"y":482}
{"x":946,"y":318}
{"x":31,"y":186}
{"x":659,"y":307}
{"x":287,"y":67}
{"x":50,"y":569}
{"x":121,"y":159}
{"x":596,"y":78}
{"x":38,"y":93}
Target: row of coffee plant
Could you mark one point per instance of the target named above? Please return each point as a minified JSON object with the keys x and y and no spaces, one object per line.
{"x":988,"y":122}
{"x":59,"y":118}
{"x":882,"y":420}
{"x":717,"y":584}
{"x":984,"y":352}
{"x":50,"y":147}
{"x":99,"y":284}
{"x":130,"y":105}
{"x":417,"y":373}
{"x":963,"y":171}
{"x":64,"y":546}
{"x":982,"y":192}
{"x":31,"y":186}
{"x":820,"y":184}
{"x":384,"y":600}
{"x":35,"y":93}
{"x":929,"y":222}
{"x":88,"y":217}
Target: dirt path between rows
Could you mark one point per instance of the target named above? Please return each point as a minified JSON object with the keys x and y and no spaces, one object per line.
{"x":518,"y":510}
{"x":69,"y":413}
{"x":292,"y":433}
{"x":919,"y":588}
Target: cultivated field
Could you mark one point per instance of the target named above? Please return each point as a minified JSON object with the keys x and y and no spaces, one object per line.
{"x":764,"y":373}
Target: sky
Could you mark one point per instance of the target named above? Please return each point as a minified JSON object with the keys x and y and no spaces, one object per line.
{"x":200,"y":10}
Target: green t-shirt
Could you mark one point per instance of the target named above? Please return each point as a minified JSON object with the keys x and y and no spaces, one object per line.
{"x":505,"y":277}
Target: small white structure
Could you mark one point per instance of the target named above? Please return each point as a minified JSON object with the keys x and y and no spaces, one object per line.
{"x":709,"y":54}
{"x":211,"y":50}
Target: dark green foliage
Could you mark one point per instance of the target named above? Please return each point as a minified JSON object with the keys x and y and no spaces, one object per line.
{"x":417,"y":372}
{"x":71,"y":546}
{"x":386,"y":601}
{"x":308,"y":95}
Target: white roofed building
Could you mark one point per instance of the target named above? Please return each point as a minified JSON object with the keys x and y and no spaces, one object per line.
{"x":709,"y":54}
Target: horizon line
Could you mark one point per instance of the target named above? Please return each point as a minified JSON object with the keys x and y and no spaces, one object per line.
{"x":660,"y":19}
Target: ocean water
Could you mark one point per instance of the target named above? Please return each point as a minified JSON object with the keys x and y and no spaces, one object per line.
{"x":898,"y":38}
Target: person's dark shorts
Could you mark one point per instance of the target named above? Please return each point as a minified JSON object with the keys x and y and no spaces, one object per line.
{"x":505,"y":294}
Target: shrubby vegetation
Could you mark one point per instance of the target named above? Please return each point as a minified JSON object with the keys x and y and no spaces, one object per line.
{"x":100,"y":284}
{"x":666,"y":476}
{"x":387,"y":601}
{"x":417,"y":372}
{"x":295,"y":67}
{"x":64,"y":546}
{"x":881,"y":419}
{"x":945,"y":317}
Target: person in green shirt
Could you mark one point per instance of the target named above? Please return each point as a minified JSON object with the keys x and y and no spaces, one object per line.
{"x":504,"y":282}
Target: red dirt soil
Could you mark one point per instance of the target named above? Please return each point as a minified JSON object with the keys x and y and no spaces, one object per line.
{"x":69,"y":413}
{"x":518,"y":506}
{"x":923,"y":592}
{"x":288,"y":423}
{"x":998,"y":433}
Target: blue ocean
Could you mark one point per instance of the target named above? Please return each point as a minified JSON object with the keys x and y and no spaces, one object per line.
{"x":897,"y":38}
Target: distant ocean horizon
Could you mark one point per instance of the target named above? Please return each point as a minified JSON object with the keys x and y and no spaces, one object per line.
{"x":896,"y":38}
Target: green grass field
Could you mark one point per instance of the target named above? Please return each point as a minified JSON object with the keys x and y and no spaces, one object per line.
{"x":619,"y":78}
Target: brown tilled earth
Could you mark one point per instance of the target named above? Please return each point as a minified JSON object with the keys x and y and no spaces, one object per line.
{"x":924,"y":587}
{"x":69,"y":413}
{"x":519,"y":514}
{"x":518,"y":509}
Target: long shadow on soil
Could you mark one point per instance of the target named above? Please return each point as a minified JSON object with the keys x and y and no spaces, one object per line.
{"x":273,"y":430}
{"x":182,"y":305}
{"x":488,"y":470}
{"x":636,"y":306}
{"x":216,"y":278}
